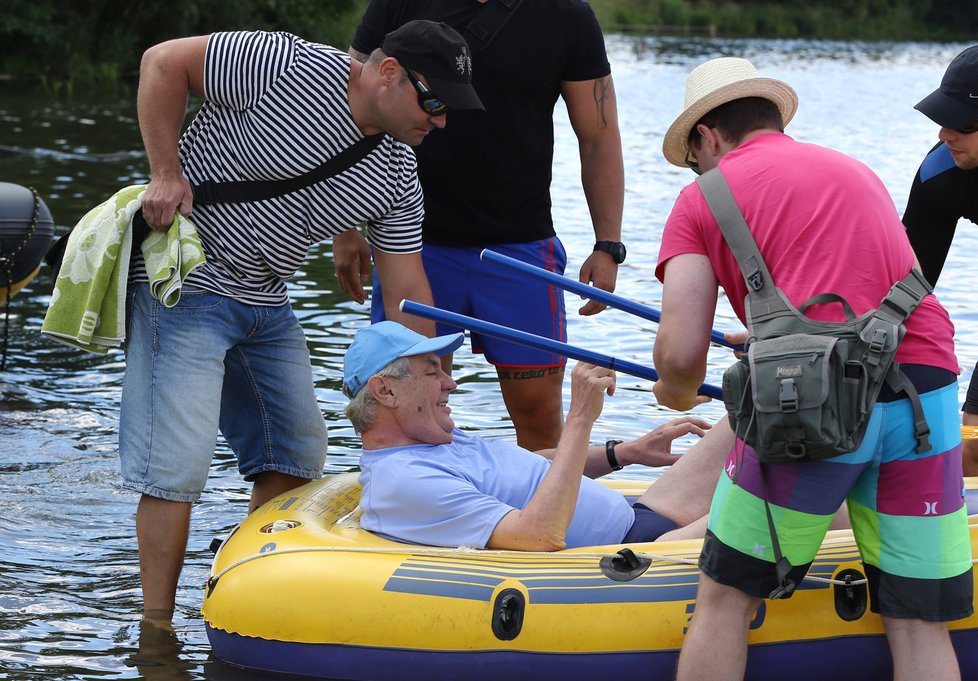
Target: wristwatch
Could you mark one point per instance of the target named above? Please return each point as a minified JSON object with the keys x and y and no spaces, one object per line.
{"x":609,"y":450}
{"x":615,"y":248}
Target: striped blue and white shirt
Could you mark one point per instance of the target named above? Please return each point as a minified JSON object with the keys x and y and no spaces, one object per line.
{"x":276,"y":107}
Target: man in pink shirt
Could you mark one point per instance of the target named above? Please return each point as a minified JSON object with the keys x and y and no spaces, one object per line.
{"x":823,"y":223}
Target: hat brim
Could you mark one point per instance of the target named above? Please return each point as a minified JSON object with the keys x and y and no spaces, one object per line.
{"x":675,"y":145}
{"x":458,"y":96}
{"x":947,"y":112}
{"x":440,"y":345}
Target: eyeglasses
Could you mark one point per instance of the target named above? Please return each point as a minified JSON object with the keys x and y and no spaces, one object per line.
{"x":428,"y":100}
{"x":968,"y":129}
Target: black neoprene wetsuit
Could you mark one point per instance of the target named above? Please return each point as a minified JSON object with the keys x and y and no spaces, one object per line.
{"x":941,"y":195}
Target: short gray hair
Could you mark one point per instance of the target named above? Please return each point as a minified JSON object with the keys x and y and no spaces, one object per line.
{"x":362,"y":409}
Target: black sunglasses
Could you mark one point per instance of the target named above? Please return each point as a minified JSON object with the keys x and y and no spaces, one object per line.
{"x":968,"y":129}
{"x":428,"y":100}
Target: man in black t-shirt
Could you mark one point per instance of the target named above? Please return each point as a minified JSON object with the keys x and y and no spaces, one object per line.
{"x":486,"y":180}
{"x":945,"y":189}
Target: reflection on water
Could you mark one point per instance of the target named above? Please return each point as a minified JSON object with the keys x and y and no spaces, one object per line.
{"x":69,"y":587}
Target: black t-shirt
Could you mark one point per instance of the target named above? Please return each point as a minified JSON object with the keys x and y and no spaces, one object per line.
{"x":941,"y":194}
{"x":486,"y":175}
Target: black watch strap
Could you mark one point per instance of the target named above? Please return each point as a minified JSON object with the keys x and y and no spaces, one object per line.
{"x":615,"y":249}
{"x":609,"y":450}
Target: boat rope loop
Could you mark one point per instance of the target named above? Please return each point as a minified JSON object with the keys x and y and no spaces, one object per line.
{"x":471,"y":551}
{"x":7,"y":269}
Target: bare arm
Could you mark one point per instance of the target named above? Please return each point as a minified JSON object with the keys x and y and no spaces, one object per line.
{"x":542,"y":524}
{"x":351,"y":261}
{"x":168,"y":73}
{"x":402,"y":277}
{"x":593,"y":113}
{"x":689,"y":299}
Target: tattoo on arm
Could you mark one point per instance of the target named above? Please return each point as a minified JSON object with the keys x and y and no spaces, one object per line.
{"x":602,"y":92}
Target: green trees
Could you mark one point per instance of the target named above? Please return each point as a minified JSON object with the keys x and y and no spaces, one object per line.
{"x":835,"y":19}
{"x":99,"y":42}
{"x":61,"y":42}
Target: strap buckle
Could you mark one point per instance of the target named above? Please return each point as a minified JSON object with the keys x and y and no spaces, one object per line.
{"x":788,"y":396}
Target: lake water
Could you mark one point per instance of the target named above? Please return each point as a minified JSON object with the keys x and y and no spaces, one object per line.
{"x":69,"y":586}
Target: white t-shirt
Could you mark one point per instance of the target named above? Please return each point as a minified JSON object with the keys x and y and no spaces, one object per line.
{"x":455,"y":494}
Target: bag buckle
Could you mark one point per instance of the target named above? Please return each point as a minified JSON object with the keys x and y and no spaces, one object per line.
{"x":788,"y":395}
{"x":877,"y":345}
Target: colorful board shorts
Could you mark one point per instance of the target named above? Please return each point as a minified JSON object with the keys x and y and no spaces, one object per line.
{"x":462,"y":283}
{"x":907,"y":510}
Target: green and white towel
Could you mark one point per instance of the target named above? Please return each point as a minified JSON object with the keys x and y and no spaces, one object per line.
{"x":88,"y":306}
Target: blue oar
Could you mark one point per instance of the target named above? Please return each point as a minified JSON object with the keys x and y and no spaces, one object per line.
{"x":591,"y":292}
{"x":540,"y":343}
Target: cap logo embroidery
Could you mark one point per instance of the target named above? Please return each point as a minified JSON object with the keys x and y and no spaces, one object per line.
{"x":463,"y":62}
{"x":972,"y":96}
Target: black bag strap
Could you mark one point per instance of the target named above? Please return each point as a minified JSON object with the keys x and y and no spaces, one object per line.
{"x":487,"y":21}
{"x":242,"y":191}
{"x":245,"y":191}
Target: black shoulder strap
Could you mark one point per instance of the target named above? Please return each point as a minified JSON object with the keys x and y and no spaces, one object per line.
{"x":487,"y":21}
{"x":244,"y":191}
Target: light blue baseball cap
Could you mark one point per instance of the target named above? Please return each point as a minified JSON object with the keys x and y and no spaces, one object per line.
{"x":377,"y":345}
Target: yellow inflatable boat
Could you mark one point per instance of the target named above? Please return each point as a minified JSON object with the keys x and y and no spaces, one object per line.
{"x":299,"y":588}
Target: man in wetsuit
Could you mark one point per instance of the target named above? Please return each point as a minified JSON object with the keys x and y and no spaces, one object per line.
{"x":945,"y":189}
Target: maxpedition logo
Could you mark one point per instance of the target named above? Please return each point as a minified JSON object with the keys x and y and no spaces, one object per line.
{"x":789,"y":371}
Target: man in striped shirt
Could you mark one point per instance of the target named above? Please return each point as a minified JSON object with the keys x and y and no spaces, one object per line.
{"x":231,"y":354}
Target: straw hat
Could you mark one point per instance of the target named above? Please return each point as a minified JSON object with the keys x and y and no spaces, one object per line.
{"x":717,"y":82}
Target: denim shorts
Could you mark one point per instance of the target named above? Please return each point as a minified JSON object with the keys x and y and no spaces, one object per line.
{"x":462,"y":283}
{"x":212,"y":363}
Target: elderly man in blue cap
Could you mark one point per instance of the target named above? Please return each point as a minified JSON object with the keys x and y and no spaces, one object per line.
{"x":427,"y":482}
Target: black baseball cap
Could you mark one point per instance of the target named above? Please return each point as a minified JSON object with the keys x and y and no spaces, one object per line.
{"x":437,"y":51}
{"x":955,"y":103}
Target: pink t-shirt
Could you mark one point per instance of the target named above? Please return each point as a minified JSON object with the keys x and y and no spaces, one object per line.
{"x":824,"y":223}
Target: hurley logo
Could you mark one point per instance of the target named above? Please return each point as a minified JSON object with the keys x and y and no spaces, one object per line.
{"x":463,"y":62}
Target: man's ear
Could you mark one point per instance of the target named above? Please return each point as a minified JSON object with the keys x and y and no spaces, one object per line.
{"x":380,"y":388}
{"x":709,"y":138}
{"x":390,"y":71}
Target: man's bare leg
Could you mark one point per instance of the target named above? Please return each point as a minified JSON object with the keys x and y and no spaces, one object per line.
{"x":684,"y":492}
{"x":161,"y":529}
{"x":534,"y":400}
{"x":270,"y":484}
{"x":921,"y":650}
{"x":716,"y":642}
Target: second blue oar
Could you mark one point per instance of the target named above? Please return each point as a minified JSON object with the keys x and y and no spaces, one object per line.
{"x":600,"y":295}
{"x":541,"y":343}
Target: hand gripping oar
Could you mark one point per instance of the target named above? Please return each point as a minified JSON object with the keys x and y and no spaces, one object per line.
{"x":591,"y":292}
{"x":541,"y":343}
